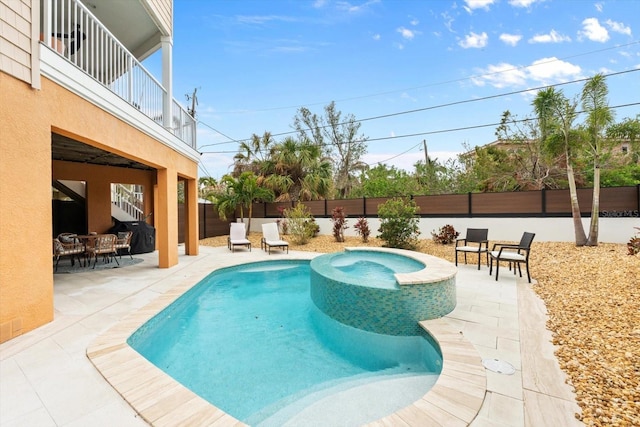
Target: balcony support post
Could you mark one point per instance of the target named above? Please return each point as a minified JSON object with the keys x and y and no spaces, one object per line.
{"x":167,"y":81}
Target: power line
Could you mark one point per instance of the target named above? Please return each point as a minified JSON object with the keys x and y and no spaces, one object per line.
{"x":441,"y":131}
{"x":524,"y":67}
{"x":434,"y":107}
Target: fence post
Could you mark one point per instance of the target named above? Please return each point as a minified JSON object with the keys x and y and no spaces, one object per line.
{"x":364,"y":207}
{"x":470,"y":203}
{"x":543,"y":196}
{"x":326,"y":204}
{"x":204,"y":220}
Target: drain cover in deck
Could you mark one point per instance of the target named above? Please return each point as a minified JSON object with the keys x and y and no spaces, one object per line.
{"x":499,"y":366}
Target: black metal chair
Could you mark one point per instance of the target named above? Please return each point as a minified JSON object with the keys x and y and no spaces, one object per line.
{"x":513,"y":254}
{"x":474,"y":242}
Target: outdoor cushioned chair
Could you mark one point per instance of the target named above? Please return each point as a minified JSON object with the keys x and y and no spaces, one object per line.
{"x":66,"y":244}
{"x":475,"y":242}
{"x":102,"y":244}
{"x":516,"y":254}
{"x":238,"y":236}
{"x":271,"y":238}
{"x":123,"y":242}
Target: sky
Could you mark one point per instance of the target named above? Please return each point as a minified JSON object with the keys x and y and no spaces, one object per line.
{"x":408,"y":70}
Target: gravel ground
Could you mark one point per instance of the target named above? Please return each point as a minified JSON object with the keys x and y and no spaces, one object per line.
{"x":592,"y":296}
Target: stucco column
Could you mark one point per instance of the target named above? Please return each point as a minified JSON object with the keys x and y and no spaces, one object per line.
{"x":191,"y":234}
{"x":98,"y":204}
{"x":167,"y":218}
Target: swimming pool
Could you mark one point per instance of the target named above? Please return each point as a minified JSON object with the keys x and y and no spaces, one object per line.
{"x":241,"y":338}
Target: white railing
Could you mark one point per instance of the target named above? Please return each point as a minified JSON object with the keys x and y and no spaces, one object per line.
{"x":78,"y":36}
{"x":129,"y":200}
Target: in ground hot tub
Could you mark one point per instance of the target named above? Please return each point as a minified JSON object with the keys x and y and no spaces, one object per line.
{"x":386,"y":291}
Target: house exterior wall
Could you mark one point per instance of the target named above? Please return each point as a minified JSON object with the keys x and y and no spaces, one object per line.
{"x":26,"y":172}
{"x":162,"y":14}
{"x":17,"y":44}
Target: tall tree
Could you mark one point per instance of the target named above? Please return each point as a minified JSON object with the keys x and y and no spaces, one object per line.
{"x":339,"y":139}
{"x":299,"y":171}
{"x":242,"y":192}
{"x":556,"y":115}
{"x":253,"y":154}
{"x":599,"y":116}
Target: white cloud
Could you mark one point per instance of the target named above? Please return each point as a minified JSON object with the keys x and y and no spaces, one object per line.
{"x":552,"y":37}
{"x":522,"y":3}
{"x":510,"y":39}
{"x":618,"y":27}
{"x":544,"y":71}
{"x":319,"y":3}
{"x":407,"y":33}
{"x":592,"y":30}
{"x":414,"y":22}
{"x":474,"y":40}
{"x":500,"y":76}
{"x":478,"y":4}
{"x":448,"y":21}
{"x":376,"y":37}
{"x":599,"y":6}
{"x":553,"y":70}
{"x":346,"y":6}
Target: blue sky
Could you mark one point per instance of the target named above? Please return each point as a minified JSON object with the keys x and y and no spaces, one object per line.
{"x":256,"y":62}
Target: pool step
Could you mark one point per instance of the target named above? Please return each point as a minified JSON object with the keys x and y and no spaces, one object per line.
{"x":352,"y":401}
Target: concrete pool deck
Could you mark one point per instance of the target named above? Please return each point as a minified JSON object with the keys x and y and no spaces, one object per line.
{"x":46,"y":378}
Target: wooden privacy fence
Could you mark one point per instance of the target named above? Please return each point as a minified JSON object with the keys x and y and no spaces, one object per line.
{"x":614,"y":202}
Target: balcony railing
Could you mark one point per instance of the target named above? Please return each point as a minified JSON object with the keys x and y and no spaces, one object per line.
{"x":78,"y":36}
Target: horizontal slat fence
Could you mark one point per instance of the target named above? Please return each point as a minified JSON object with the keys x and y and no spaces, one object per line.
{"x":614,"y":202}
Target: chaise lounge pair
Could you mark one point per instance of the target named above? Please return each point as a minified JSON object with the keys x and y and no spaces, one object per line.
{"x":270,"y":237}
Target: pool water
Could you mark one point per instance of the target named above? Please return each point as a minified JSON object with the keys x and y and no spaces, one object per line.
{"x":376,"y":269}
{"x":249,"y":340}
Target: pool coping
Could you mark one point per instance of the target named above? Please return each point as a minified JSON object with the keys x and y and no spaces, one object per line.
{"x":455,"y":399}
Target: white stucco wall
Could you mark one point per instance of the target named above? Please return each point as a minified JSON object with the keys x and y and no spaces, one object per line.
{"x":612,"y":230}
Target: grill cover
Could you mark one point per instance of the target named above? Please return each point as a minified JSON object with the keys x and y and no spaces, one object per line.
{"x":143,"y":239}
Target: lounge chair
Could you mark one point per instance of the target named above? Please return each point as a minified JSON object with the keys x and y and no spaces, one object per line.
{"x":475,"y":242}
{"x":238,"y":236}
{"x":516,"y":254}
{"x":271,"y":238}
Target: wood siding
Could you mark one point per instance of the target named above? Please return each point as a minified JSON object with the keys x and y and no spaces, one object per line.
{"x":15,"y":38}
{"x":162,"y":14}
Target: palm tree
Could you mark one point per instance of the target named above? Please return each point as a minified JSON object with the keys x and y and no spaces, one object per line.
{"x":242,"y":192}
{"x":599,"y":116}
{"x":556,"y":115}
{"x":299,"y":171}
{"x":252,"y":154}
{"x":207,"y":188}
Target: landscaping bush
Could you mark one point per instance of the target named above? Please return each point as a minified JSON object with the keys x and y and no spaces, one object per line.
{"x":633,"y":246}
{"x":399,"y":223}
{"x":362,"y":229}
{"x":300,"y":224}
{"x":445,"y":235}
{"x":339,"y":219}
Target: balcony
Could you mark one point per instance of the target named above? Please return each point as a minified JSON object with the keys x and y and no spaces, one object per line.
{"x":97,"y":40}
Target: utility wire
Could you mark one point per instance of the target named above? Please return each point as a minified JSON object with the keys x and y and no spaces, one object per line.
{"x":433,"y":107}
{"x":433,"y":132}
{"x":524,"y":67}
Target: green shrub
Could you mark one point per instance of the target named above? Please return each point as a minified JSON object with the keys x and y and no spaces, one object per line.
{"x":445,"y":235}
{"x":399,"y":223}
{"x":362,"y":229}
{"x":339,"y":219}
{"x":300,"y":223}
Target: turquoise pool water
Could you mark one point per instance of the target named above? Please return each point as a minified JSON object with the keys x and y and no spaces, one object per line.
{"x":249,"y":340}
{"x":375,"y":269}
